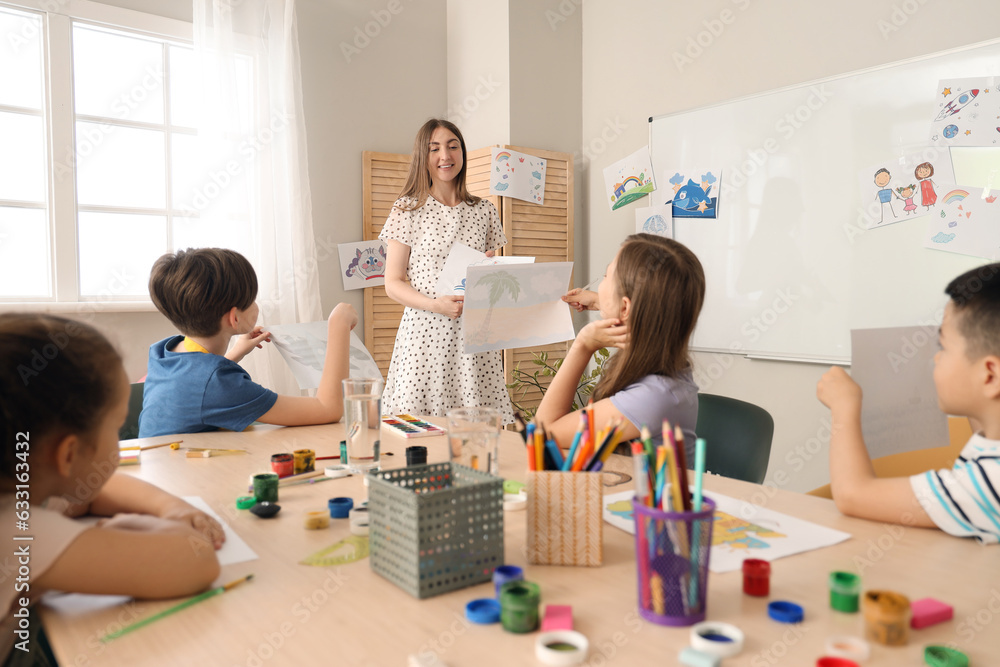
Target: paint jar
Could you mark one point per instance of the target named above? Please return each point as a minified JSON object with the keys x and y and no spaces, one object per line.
{"x":504,"y":574}
{"x":887,"y":617}
{"x":845,"y":590}
{"x":519,"y":606}
{"x":416,"y":455}
{"x":756,"y":577}
{"x":305,"y":460}
{"x":283,"y":465}
{"x":265,"y":487}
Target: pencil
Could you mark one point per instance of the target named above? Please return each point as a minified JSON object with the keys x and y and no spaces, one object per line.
{"x":568,"y":463}
{"x":162,"y":444}
{"x":167,"y":612}
{"x":682,"y":470}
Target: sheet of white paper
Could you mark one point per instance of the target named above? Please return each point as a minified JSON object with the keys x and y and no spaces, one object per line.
{"x":909,"y":196}
{"x":655,"y":220}
{"x":895,"y":369}
{"x":362,"y":264}
{"x":517,"y":305}
{"x":965,"y":112}
{"x":965,"y":222}
{"x":460,"y":258}
{"x":629,"y":179}
{"x":517,"y":175}
{"x":235,"y":550}
{"x":303,"y":346}
{"x":741,"y":530}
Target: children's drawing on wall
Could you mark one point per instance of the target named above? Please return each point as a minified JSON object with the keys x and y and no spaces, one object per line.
{"x":967,"y":112}
{"x":655,"y":220}
{"x":303,"y":347}
{"x":629,"y":179}
{"x":695,"y":192}
{"x":452,"y":279}
{"x":516,"y":305}
{"x":517,"y":175}
{"x":362,"y":264}
{"x":965,"y":222}
{"x":903,"y":188}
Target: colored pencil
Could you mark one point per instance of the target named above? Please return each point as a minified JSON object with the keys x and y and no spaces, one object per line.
{"x":183,"y":605}
{"x":530,"y":441}
{"x":162,"y":444}
{"x":568,"y":463}
{"x":682,"y":471}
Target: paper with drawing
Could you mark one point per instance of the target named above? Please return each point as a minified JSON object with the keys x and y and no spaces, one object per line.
{"x":362,"y":264}
{"x":965,"y":222}
{"x":303,"y":347}
{"x":517,"y":175}
{"x":460,"y":258}
{"x":516,"y":305}
{"x":741,"y":530}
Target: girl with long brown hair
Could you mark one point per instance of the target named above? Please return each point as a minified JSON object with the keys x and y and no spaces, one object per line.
{"x":649,"y":300}
{"x":429,"y":374}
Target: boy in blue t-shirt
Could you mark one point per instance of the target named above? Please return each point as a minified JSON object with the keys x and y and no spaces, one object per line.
{"x":195,"y":382}
{"x":963,"y":501}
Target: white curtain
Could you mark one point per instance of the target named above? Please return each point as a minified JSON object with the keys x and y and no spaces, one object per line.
{"x":252,"y":145}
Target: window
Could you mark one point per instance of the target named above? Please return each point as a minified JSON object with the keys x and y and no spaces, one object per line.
{"x":125,"y":179}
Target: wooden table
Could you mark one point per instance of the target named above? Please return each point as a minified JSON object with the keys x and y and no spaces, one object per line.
{"x":293,"y":614}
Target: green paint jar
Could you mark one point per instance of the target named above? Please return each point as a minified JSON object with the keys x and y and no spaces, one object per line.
{"x":519,"y":606}
{"x":845,"y":591}
{"x":265,"y":487}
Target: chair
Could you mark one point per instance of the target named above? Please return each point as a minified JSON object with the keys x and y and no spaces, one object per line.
{"x":737,"y":437}
{"x":130,"y":429}
{"x":906,"y":464}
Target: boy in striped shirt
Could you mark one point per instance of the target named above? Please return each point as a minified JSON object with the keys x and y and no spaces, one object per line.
{"x":963,"y":501}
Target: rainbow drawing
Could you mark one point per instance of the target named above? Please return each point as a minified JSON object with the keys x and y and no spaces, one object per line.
{"x":633,"y":180}
{"x":955,"y":195}
{"x":503,"y":155}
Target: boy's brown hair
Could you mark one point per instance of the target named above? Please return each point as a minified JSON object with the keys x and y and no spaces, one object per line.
{"x":194,"y":288}
{"x":976,"y":295}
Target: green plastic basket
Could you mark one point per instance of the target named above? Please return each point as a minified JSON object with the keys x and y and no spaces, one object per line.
{"x":435,"y":528}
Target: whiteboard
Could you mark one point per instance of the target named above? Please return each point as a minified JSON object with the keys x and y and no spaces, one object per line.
{"x":789,"y":268}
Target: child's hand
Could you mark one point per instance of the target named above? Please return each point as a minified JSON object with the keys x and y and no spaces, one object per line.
{"x":344,"y":313}
{"x":837,"y":391}
{"x":581,"y":299}
{"x":190,"y":515}
{"x":247,"y":342}
{"x":450,"y":305}
{"x":603,"y":333}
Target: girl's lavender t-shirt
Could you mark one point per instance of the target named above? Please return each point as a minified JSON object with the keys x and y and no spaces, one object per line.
{"x":657,"y":397}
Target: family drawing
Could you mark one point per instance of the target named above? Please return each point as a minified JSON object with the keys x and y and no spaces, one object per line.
{"x":906,"y":193}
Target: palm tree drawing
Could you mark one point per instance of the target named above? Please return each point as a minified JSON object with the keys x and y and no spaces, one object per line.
{"x":499,"y":282}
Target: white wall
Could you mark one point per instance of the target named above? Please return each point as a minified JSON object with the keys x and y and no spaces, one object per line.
{"x":634,"y":69}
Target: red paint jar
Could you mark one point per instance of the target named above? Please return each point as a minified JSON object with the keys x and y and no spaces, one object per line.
{"x":282,"y":465}
{"x":756,"y":577}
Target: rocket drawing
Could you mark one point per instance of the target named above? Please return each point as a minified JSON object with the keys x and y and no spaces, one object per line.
{"x":955,"y":105}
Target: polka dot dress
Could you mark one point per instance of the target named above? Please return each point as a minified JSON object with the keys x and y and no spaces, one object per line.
{"x":429,"y":374}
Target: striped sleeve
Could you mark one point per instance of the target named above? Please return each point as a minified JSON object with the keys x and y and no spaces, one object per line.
{"x":965,"y":501}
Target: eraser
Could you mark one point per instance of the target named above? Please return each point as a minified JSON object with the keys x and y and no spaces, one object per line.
{"x":557,"y":617}
{"x":928,"y":611}
{"x":695,"y":658}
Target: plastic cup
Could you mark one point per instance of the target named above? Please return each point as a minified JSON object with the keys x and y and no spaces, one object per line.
{"x":362,"y":421}
{"x":473,"y":438}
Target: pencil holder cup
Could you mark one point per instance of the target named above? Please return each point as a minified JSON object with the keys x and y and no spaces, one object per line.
{"x":672,"y":550}
{"x":435,"y":528}
{"x":565,"y":526}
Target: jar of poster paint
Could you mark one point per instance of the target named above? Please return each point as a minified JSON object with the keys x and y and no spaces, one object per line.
{"x":305,"y":460}
{"x":845,"y":591}
{"x":756,"y":577}
{"x":519,"y":606}
{"x":282,"y":464}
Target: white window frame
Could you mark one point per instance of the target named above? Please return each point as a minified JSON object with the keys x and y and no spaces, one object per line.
{"x":60,"y":115}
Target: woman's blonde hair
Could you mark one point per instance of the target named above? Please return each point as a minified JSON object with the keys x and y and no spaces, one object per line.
{"x":666,"y":286}
{"x":418,"y":180}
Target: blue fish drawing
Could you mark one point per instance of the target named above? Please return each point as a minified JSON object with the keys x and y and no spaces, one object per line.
{"x":690,"y":196}
{"x":941,"y":237}
{"x":537,"y":175}
{"x":501,"y":186}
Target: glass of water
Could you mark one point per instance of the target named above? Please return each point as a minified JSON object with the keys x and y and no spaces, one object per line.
{"x":473,"y":436}
{"x":362,"y":423}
